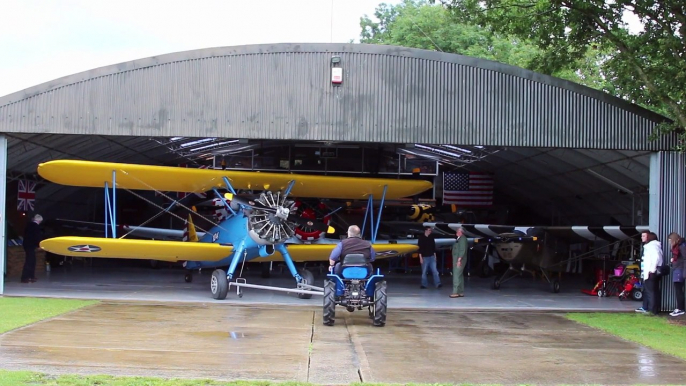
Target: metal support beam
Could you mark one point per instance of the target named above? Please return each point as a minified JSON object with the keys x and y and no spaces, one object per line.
{"x":667,"y":208}
{"x":378,"y":220}
{"x":3,"y":213}
{"x":114,"y":204}
{"x":366,"y":214}
{"x":270,"y":288}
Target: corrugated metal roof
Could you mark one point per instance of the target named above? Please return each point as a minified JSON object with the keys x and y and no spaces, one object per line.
{"x":284,"y":91}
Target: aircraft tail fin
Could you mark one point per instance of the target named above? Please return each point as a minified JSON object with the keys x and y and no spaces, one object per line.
{"x":189,"y":233}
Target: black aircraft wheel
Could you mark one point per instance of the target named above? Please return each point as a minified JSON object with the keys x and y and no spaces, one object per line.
{"x":555,"y":286}
{"x":329,"y":316}
{"x":219,"y":284}
{"x":308,"y":278}
{"x":496,"y":284}
{"x":380,"y":304}
{"x":188,"y":278}
{"x":636,"y":294}
{"x":601,"y":293}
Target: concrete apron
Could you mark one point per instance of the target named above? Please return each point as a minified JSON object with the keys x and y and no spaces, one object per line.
{"x":227,"y":342}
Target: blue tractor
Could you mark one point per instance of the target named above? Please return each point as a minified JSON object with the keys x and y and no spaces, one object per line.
{"x":354,"y":285}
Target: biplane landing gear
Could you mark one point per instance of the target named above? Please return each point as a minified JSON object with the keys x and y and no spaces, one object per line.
{"x":188,"y":277}
{"x":307,"y":278}
{"x":219,"y":284}
{"x":266,"y":269}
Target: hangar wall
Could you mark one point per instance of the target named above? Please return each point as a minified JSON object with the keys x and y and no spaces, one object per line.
{"x":284,"y":91}
{"x":667,"y":209}
{"x":3,"y":215}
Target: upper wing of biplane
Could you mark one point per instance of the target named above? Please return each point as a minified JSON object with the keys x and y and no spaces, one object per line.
{"x":193,"y":251}
{"x":176,"y":179}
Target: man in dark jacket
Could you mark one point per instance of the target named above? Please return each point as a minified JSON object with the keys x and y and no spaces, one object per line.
{"x":353,"y":244}
{"x":32,"y":237}
{"x":427,"y":257}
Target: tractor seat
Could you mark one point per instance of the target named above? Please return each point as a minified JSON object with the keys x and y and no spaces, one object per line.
{"x":355,"y":266}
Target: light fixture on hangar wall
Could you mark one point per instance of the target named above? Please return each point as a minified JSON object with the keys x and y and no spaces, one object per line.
{"x":336,"y":71}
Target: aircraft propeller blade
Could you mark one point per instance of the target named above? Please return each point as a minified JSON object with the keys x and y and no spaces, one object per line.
{"x":252,"y":204}
{"x":309,"y":223}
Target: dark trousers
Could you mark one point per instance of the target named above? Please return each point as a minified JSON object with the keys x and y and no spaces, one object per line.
{"x":650,"y":294}
{"x":679,"y":289}
{"x":29,"y":270}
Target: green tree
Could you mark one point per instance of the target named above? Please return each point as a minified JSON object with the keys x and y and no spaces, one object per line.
{"x":418,"y":24}
{"x":646,"y":66}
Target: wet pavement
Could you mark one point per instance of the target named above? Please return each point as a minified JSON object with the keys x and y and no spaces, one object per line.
{"x":229,"y":341}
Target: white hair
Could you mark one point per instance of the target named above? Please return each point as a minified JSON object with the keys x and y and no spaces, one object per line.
{"x":353,"y":231}
{"x":37,"y":218}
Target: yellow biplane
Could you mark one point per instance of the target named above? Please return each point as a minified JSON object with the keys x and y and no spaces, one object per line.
{"x":253,"y":230}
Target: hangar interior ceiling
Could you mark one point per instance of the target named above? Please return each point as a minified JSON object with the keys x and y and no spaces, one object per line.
{"x":548,"y":186}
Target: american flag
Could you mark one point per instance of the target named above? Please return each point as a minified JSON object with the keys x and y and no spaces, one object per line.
{"x":468,"y":188}
{"x":26,"y":197}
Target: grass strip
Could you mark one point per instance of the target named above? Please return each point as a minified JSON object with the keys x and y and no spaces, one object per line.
{"x":651,"y":331}
{"x":20,"y":311}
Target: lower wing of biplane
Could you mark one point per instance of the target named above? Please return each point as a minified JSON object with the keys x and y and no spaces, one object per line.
{"x":254,"y":229}
{"x":175,"y":251}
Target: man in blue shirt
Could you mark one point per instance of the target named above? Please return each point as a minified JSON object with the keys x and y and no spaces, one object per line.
{"x":353,"y":244}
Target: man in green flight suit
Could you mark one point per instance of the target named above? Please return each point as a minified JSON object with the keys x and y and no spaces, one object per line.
{"x":459,"y":261}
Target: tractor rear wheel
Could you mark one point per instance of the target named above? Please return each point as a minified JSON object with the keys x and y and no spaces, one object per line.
{"x":329,"y":303}
{"x":380,"y":304}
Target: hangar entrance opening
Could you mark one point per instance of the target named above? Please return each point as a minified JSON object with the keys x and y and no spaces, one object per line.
{"x":531,"y":187}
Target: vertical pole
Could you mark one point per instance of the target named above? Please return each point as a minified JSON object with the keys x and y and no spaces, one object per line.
{"x":371,"y":214}
{"x":107,"y":208}
{"x":378,"y":220}
{"x":3,"y":213}
{"x":366,"y":213}
{"x":114,"y":204}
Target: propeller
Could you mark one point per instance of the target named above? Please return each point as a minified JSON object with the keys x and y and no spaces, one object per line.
{"x":253,"y":204}
{"x":309,"y":223}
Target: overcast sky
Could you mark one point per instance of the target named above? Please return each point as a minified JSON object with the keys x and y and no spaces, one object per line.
{"x":45,"y":40}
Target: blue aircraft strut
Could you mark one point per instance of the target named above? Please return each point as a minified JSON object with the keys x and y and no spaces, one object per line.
{"x":226,"y":205}
{"x":111,"y":206}
{"x":370,"y":212}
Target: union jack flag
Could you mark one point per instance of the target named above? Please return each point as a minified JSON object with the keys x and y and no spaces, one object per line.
{"x":26,"y":197}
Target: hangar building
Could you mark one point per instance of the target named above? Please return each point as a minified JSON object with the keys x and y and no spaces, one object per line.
{"x":563,"y":152}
